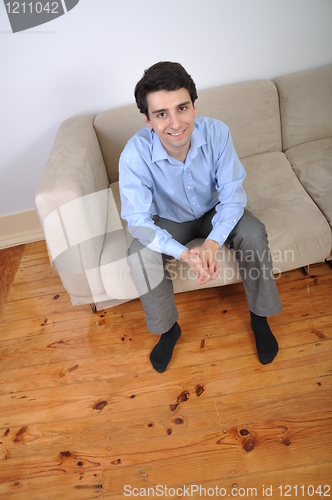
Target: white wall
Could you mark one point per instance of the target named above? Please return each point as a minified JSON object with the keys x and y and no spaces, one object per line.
{"x":90,"y":59}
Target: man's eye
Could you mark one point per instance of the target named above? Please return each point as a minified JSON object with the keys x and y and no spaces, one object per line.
{"x":183,"y":108}
{"x":161,"y":115}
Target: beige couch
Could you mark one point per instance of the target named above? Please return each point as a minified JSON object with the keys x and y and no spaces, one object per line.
{"x":286,"y":150}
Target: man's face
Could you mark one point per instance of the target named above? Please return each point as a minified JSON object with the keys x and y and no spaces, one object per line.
{"x":172,"y":117}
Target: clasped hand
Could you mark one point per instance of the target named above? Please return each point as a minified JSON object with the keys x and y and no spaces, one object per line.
{"x":203,"y":261}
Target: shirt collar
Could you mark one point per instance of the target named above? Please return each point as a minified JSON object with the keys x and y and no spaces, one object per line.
{"x":160,"y":153}
{"x":158,"y":150}
{"x":197,"y":141}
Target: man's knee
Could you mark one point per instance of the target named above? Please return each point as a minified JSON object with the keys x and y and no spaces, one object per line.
{"x":251,"y":243}
{"x":258,"y":234}
{"x":252,"y":231}
{"x":146,"y":267}
{"x":148,"y":258}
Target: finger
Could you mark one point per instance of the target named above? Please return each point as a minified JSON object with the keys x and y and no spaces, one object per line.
{"x":196,"y":265}
{"x":211,"y":267}
{"x":203,"y":281}
{"x":194,"y":251}
{"x":204,"y":277}
{"x":215,"y":275}
{"x":195,"y":257}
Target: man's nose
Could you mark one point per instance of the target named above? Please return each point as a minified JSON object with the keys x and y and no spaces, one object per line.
{"x":174,"y":122}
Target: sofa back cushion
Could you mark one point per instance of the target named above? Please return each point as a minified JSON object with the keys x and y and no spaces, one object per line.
{"x":250,"y":109}
{"x":306,"y":106}
{"x":114,"y":128}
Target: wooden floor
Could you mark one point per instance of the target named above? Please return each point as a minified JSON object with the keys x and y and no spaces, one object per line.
{"x":83,"y":415}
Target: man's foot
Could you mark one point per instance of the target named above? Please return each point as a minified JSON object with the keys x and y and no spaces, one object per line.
{"x":162,"y":352}
{"x":266,"y":343}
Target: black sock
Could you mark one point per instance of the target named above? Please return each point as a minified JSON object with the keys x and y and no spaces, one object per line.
{"x":266,"y":343}
{"x":162,"y":352}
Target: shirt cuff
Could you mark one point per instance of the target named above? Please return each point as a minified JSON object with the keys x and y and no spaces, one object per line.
{"x":174,"y":248}
{"x":221,"y":232}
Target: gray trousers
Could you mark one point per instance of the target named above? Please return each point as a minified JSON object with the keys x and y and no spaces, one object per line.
{"x":249,"y":241}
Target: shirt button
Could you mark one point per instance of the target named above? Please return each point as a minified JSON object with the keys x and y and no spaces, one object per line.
{"x":234,"y":220}
{"x":223,"y":236}
{"x":188,"y":187}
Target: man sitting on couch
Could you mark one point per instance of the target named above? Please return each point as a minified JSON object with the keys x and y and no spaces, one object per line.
{"x":180,"y":179}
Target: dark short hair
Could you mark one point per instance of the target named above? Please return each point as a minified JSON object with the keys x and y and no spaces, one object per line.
{"x":163,"y":75}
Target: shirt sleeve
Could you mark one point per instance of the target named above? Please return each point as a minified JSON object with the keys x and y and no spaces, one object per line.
{"x":229,"y":176}
{"x":136,"y":191}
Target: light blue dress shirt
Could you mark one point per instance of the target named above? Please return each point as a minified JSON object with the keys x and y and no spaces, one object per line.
{"x":154,"y":183}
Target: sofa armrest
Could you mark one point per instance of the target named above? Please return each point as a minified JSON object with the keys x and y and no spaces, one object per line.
{"x":71,"y":201}
{"x":75,"y":167}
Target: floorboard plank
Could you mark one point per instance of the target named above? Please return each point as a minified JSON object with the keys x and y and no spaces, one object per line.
{"x":10,"y":259}
{"x":133,"y":392}
{"x":256,"y":448}
{"x":78,"y":486}
{"x":55,"y":354}
{"x":260,"y":486}
{"x":224,"y":414}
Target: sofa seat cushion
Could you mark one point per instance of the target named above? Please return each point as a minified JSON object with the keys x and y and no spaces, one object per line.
{"x":298,"y":232}
{"x":312,"y":163}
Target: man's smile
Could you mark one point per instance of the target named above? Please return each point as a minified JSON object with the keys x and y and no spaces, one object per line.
{"x":176,"y":134}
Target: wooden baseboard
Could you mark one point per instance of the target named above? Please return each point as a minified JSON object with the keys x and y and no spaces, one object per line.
{"x":19,"y":228}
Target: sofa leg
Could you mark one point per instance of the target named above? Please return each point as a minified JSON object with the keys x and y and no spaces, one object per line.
{"x":305,"y":270}
{"x":329,"y":263}
{"x":93,"y":307}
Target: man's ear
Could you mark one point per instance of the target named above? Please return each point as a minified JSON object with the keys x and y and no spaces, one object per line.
{"x":195,"y":109}
{"x":147,"y":121}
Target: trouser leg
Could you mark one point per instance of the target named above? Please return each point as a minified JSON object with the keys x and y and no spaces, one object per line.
{"x":155,"y":289}
{"x":250,"y":243}
{"x":152,"y":279}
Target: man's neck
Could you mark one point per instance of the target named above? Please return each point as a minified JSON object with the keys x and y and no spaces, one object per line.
{"x":179,"y":155}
